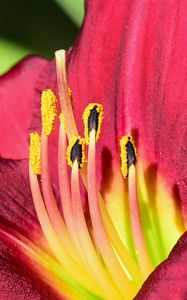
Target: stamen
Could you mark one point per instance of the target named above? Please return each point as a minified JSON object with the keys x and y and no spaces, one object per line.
{"x":92,"y":117}
{"x":34,"y":153}
{"x":100,"y":274}
{"x":62,"y":256}
{"x":128,"y":154}
{"x":72,"y":130}
{"x":48,"y":110}
{"x":54,"y":214}
{"x":76,"y":151}
{"x":89,"y":259}
{"x":124,"y":255}
{"x":125,"y":286}
{"x":136,"y":225}
{"x":64,"y":186}
{"x":128,"y":159}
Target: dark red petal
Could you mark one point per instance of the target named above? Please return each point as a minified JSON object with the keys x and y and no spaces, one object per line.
{"x":169,"y":280}
{"x":16,"y":205}
{"x":132,"y":57}
{"x":17,"y":278}
{"x":20,"y":91}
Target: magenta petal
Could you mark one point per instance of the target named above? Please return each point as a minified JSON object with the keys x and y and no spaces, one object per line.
{"x":20,"y":91}
{"x":132,"y":57}
{"x":17,"y":279}
{"x":169,"y":280}
{"x":16,"y":205}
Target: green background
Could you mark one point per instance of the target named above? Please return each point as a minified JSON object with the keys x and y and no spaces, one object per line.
{"x":37,"y":27}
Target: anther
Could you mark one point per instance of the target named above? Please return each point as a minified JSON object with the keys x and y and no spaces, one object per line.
{"x":75,"y":151}
{"x":92,"y":117}
{"x":48,"y":110}
{"x":34,"y":153}
{"x":128,"y":153}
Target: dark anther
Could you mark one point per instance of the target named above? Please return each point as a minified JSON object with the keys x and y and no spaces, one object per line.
{"x":76,"y":153}
{"x":93,"y":119}
{"x":131,"y":156}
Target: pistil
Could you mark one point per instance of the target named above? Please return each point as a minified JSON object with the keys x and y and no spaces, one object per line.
{"x":64,"y":186}
{"x":64,"y":95}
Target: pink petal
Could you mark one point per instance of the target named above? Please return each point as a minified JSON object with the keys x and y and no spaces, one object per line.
{"x":20,"y":91}
{"x":19,"y":275}
{"x":168,"y":281}
{"x":16,"y":205}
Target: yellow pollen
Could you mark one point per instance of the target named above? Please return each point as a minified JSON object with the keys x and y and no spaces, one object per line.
{"x":34,"y":153}
{"x":124,"y":153}
{"x":92,"y":122}
{"x":62,"y":120}
{"x":48,"y":110}
{"x":76,"y":151}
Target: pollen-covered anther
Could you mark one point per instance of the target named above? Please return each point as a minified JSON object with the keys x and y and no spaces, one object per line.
{"x":76,"y":151}
{"x":92,"y":117}
{"x":34,"y":153}
{"x":128,"y":153}
{"x":48,"y":110}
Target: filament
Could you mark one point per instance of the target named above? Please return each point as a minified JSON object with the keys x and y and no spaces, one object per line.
{"x":98,"y":272}
{"x":136,"y":225}
{"x":50,"y":202}
{"x":103,"y":243}
{"x":65,"y":194}
{"x":51,"y":237}
{"x":60,"y":280}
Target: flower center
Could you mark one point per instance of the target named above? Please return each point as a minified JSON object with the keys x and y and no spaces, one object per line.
{"x":87,"y":257}
{"x":92,"y":255}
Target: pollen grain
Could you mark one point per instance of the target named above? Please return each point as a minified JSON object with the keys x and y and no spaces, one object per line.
{"x":34,"y":153}
{"x":48,"y":110}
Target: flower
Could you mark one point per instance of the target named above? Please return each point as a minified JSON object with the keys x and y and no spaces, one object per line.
{"x":137,"y":73}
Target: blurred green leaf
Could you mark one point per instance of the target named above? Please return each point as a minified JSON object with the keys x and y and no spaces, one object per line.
{"x":74,"y":8}
{"x":11,"y":53}
{"x":40,"y":28}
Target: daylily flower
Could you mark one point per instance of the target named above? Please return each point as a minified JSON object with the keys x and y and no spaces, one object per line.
{"x":98,"y":229}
